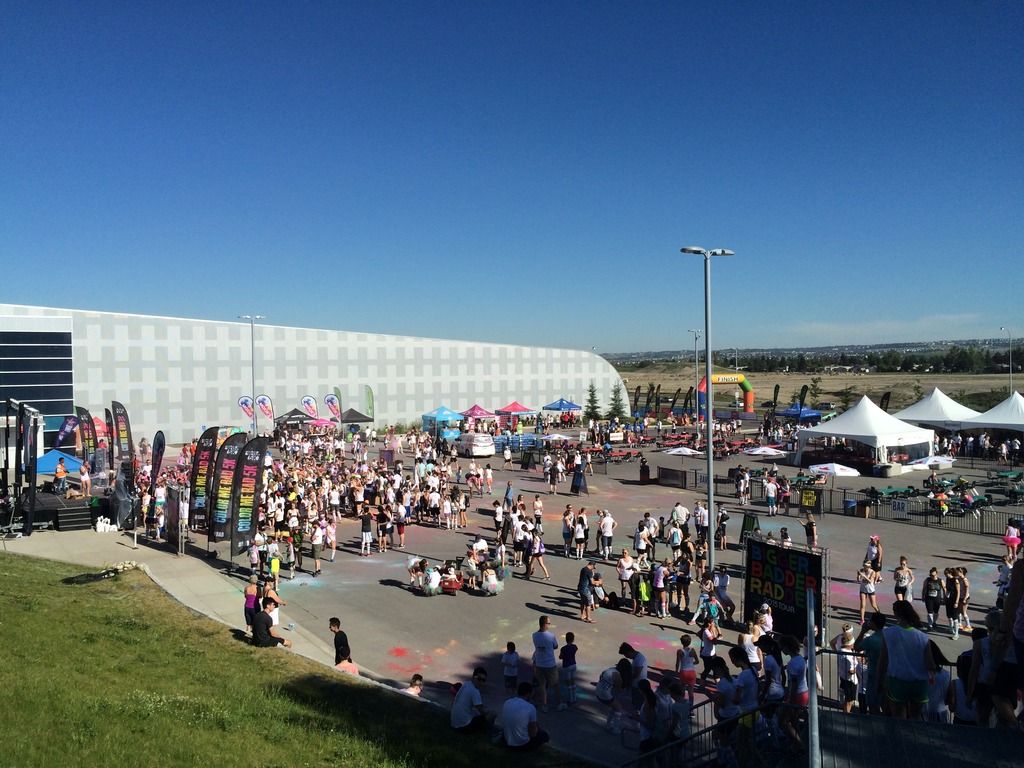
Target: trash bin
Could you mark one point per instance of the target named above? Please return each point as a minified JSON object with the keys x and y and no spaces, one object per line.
{"x":863,"y":508}
{"x":645,"y":473}
{"x":849,"y":507}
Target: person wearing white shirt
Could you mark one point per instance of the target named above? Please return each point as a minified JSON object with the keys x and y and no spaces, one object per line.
{"x":607,"y":526}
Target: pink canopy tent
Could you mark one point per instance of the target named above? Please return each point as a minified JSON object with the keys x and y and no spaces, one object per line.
{"x":478,"y":412}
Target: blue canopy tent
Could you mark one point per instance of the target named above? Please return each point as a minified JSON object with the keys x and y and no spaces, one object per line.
{"x":47,"y":463}
{"x":561,"y":404}
{"x":794,"y":411}
{"x":440,"y":421}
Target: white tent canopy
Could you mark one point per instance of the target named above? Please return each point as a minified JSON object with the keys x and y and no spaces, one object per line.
{"x":868,"y":424}
{"x":1009,"y":414}
{"x":936,"y":409}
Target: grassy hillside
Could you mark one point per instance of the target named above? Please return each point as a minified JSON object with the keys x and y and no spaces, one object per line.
{"x":113,"y":672}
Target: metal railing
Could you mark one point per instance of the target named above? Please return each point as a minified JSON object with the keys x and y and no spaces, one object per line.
{"x":756,"y":738}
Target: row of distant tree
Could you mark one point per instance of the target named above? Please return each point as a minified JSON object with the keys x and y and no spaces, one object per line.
{"x":953,"y":360}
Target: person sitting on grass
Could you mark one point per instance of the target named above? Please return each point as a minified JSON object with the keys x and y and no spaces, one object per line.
{"x":519,"y":720}
{"x":264,"y":635}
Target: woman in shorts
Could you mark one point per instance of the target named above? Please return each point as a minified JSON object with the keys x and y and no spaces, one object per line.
{"x":867,"y":578}
{"x":905,"y":663}
{"x":903,"y":580}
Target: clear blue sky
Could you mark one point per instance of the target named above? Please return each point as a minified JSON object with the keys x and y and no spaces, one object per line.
{"x":521,"y":172}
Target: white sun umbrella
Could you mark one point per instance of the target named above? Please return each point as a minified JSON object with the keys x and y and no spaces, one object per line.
{"x":683,"y":451}
{"x":944,"y":462}
{"x":764,"y":450}
{"x":836,"y":470}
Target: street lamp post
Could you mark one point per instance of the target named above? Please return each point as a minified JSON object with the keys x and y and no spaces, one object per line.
{"x":709,"y":410}
{"x":696,"y":363}
{"x":1009,"y":338}
{"x":252,"y":358}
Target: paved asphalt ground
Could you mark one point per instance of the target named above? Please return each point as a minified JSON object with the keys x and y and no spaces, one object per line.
{"x":395,"y":633}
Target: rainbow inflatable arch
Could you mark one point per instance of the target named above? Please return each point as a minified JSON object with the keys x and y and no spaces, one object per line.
{"x":724,"y":378}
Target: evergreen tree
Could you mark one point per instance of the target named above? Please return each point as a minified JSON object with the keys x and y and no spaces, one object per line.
{"x":617,"y":408}
{"x":592,"y":410}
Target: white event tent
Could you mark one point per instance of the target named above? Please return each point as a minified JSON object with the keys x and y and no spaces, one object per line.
{"x":1009,"y":414}
{"x":868,"y":424}
{"x":937,"y":409}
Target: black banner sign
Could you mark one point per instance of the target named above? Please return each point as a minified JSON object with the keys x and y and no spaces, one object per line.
{"x":780,"y":576}
{"x":202,"y":465}
{"x":87,"y":430}
{"x":222,"y":485}
{"x":247,"y":486}
{"x":124,"y":430}
{"x":109,"y":418}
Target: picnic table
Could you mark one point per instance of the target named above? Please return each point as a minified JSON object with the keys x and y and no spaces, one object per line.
{"x":623,"y":455}
{"x":1012,"y":477}
{"x":893,"y":491}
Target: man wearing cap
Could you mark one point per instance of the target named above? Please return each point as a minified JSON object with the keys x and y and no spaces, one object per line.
{"x":263,"y":633}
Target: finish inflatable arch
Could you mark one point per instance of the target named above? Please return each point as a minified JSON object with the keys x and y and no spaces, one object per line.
{"x":724,"y":378}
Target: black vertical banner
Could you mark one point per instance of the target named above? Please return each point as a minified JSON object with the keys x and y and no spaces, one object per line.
{"x":647,"y":400}
{"x":221,"y":486}
{"x":87,"y":430}
{"x":775,"y":397}
{"x":803,"y":397}
{"x":110,"y":435}
{"x":66,"y":428}
{"x":884,"y":405}
{"x":202,"y":466}
{"x":657,"y":402}
{"x":247,"y":486}
{"x":125,"y":446}
{"x":672,"y":405}
{"x":636,"y":399}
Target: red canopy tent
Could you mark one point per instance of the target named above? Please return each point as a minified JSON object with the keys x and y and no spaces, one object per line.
{"x":511,"y":413}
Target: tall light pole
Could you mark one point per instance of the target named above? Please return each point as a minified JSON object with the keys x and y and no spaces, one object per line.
{"x":1010,"y":339}
{"x":709,"y":421}
{"x":696,"y":363}
{"x":252,"y":357}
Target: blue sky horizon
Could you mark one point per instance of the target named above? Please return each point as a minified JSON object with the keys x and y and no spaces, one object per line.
{"x":522,"y":173}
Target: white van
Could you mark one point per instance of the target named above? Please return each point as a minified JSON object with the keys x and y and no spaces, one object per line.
{"x":476,"y":444}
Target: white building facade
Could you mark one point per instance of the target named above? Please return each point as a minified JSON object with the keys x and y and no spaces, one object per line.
{"x":180,"y":375}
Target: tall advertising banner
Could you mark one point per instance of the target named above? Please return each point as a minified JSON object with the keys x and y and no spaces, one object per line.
{"x":803,"y":396}
{"x":222,"y":485}
{"x":266,"y":406}
{"x":308,"y":404}
{"x":246,"y":404}
{"x":109,"y":419}
{"x":159,"y":445}
{"x":333,"y":405}
{"x":88,"y":431}
{"x":657,"y":402}
{"x":675,"y":397}
{"x":884,"y":403}
{"x":199,"y":481}
{"x":123,"y":425}
{"x":70,"y":422}
{"x":368,"y":401}
{"x":246,"y":489}
{"x":780,"y":576}
{"x":337,"y":394}
{"x":636,"y":400}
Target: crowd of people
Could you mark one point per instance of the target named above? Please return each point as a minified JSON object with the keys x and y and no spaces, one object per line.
{"x":737,"y":662}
